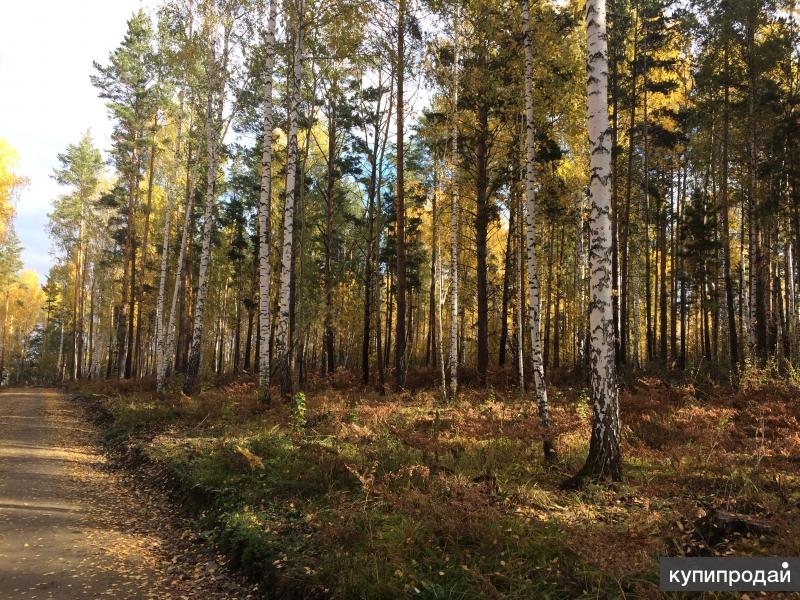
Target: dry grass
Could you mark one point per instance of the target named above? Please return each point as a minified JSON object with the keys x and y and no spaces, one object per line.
{"x":403,"y":495}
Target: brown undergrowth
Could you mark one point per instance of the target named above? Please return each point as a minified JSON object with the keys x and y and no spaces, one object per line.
{"x":347,"y":493}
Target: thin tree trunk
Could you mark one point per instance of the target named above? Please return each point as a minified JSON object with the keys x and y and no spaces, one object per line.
{"x":520,"y":312}
{"x":283,"y":334}
{"x":162,"y":359}
{"x":481,"y":239}
{"x":212,"y":142}
{"x":624,"y":345}
{"x":400,"y":209}
{"x":170,"y":355}
{"x":663,"y":284}
{"x":430,"y":342}
{"x":454,"y":216}
{"x":330,"y":365}
{"x":137,"y":363}
{"x":530,"y":220}
{"x":265,"y":218}
{"x":733,"y":343}
{"x":507,"y":291}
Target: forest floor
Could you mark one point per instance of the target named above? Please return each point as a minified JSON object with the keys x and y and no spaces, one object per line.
{"x":347,"y":493}
{"x":71,"y":527}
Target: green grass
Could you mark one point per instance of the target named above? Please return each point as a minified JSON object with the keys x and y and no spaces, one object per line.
{"x":358,"y":496}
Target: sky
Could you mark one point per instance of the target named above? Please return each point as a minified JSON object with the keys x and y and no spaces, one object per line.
{"x":46,"y":99}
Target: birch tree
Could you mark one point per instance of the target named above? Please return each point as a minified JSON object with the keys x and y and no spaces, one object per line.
{"x":282,"y":334}
{"x":454,"y":217}
{"x":530,"y":240}
{"x":604,"y":458}
{"x":265,"y":211}
{"x":161,"y":356}
{"x":400,"y":209}
{"x":218,"y":27}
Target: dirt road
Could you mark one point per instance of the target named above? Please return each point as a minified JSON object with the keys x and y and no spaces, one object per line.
{"x":72,"y":528}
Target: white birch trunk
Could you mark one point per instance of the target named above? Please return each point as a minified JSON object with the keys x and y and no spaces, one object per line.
{"x":169,"y":347}
{"x":520,"y":313}
{"x":604,"y":450}
{"x":530,"y":235}
{"x":440,"y":318}
{"x":580,"y":287}
{"x":283,"y":343}
{"x":454,"y":220}
{"x":212,"y":142}
{"x":265,"y":212}
{"x":161,"y":356}
{"x":439,"y":291}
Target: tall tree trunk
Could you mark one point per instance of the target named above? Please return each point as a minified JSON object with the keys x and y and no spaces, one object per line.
{"x":625,"y":344}
{"x":454,"y":216}
{"x":138,"y":360}
{"x":662,"y":312}
{"x":128,"y":370}
{"x":520,"y":278}
{"x":674,"y":190}
{"x":4,"y":340}
{"x":733,"y":344}
{"x":237,"y":330}
{"x":372,"y":293}
{"x":283,"y":335}
{"x":507,"y":287}
{"x":161,"y":356}
{"x":212,"y":142}
{"x":60,"y":362}
{"x":648,"y":301}
{"x":557,"y":304}
{"x":92,"y":359}
{"x":265,"y":216}
{"x":481,"y":238}
{"x":440,"y":318}
{"x":757,"y":248}
{"x":530,"y":243}
{"x":133,"y":192}
{"x":579,"y":286}
{"x":615,"y":303}
{"x":221,"y":331}
{"x":604,"y":457}
{"x":330,"y":366}
{"x":548,"y":298}
{"x":400,"y":209}
{"x":430,"y":342}
{"x":171,"y":357}
{"x":389,"y":314}
{"x":75,"y":371}
{"x":378,"y":278}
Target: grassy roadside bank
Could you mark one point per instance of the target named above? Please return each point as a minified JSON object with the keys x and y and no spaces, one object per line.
{"x":347,"y":494}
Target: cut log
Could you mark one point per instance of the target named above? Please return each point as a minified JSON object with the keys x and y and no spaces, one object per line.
{"x":721,"y":524}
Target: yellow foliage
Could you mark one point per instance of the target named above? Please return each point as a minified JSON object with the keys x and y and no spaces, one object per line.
{"x":10,"y":184}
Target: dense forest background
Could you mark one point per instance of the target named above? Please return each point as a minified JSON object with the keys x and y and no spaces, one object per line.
{"x":382,"y":228}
